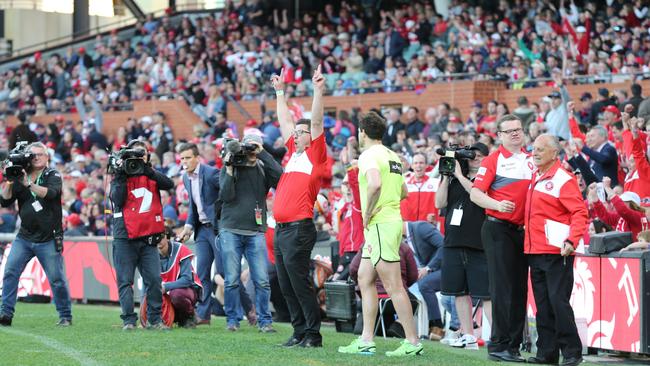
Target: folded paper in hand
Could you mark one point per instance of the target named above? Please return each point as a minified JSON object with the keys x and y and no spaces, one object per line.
{"x":557,"y":233}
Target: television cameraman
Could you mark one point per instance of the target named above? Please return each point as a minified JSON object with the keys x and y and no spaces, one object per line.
{"x":248,"y":175}
{"x":38,"y":192}
{"x":138,"y":226}
{"x":464,"y":265}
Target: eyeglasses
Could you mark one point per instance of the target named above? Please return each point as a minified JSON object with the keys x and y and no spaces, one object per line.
{"x":299,"y":133}
{"x":38,"y":155}
{"x":514,"y":131}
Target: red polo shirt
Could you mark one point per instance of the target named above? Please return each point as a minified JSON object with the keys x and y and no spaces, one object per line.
{"x":301,"y":181}
{"x":506,"y":176}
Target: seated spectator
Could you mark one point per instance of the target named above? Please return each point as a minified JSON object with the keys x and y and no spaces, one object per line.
{"x":75,"y":227}
{"x":643,"y":242}
{"x":628,"y":215}
{"x":409,"y":272}
{"x":7,"y":220}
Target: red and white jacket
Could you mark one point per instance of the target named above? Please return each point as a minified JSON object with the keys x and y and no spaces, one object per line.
{"x":637,"y":180}
{"x":554,"y":200}
{"x":421,"y":199}
{"x":350,"y":235}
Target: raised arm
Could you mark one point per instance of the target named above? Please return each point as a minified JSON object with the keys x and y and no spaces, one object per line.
{"x":284,"y":116}
{"x":317,"y":104}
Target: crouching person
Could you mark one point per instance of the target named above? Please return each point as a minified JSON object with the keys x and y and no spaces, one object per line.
{"x":179,"y":280}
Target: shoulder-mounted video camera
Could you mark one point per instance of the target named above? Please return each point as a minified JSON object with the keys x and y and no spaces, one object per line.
{"x":127,"y":161}
{"x":238,"y":152}
{"x":17,"y":160}
{"x":447,"y":164}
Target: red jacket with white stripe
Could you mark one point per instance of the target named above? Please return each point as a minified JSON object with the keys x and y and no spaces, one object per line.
{"x":637,"y":180}
{"x":421,"y":199}
{"x":350,"y":234}
{"x":553,"y":200}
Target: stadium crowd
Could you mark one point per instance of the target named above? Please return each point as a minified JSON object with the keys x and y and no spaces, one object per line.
{"x":230,"y":54}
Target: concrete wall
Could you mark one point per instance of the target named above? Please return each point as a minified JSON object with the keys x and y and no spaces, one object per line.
{"x":180,"y":117}
{"x":458,"y":94}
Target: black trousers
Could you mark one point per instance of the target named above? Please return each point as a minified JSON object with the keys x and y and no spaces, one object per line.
{"x":507,"y":275}
{"x":552,"y":282}
{"x":293,"y":246}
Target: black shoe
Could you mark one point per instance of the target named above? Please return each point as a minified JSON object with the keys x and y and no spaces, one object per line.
{"x":292,"y":341}
{"x":5,"y":321}
{"x":571,"y":361}
{"x":311,"y":342}
{"x":541,"y":361}
{"x":505,"y":356}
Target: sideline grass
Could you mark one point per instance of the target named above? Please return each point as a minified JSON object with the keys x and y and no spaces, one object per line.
{"x":96,"y":338}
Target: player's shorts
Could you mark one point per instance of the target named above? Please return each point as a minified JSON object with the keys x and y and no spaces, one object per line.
{"x":382,"y":242}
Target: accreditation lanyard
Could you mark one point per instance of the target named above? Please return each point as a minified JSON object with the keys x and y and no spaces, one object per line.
{"x":38,"y":181}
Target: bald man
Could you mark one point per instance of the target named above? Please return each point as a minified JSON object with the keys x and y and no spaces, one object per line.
{"x":555,"y":220}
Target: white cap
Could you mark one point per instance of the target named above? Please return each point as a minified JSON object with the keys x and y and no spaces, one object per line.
{"x":581,"y":29}
{"x":630,"y":196}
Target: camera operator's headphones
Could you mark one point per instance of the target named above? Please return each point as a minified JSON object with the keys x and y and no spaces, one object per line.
{"x":132,"y":143}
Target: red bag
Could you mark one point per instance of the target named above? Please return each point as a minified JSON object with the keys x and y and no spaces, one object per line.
{"x":167,"y":311}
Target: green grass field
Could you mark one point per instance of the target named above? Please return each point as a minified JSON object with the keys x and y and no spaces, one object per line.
{"x":96,"y":338}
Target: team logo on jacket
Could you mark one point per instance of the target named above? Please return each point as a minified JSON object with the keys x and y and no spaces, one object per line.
{"x":549,"y":186}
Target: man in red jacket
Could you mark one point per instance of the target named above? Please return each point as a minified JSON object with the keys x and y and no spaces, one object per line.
{"x":555,"y":220}
{"x":422,"y":187}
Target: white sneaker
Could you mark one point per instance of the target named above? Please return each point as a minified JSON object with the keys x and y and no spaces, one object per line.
{"x":467,"y":341}
{"x":450,"y":337}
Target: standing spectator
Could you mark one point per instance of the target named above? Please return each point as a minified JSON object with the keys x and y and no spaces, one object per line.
{"x":295,"y":232}
{"x":557,"y":118}
{"x":394,"y":125}
{"x":414,"y":126}
{"x":554,"y":198}
{"x":597,"y":107}
{"x":500,"y":187}
{"x":419,"y":205}
{"x":603,"y":156}
{"x":202,"y":184}
{"x":21,"y":132}
{"x":524,"y":112}
{"x":638,"y":166}
{"x":636,"y":99}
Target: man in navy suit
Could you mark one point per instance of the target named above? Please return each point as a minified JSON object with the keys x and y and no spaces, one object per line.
{"x":603,"y":157}
{"x":426,"y":242}
{"x":202,"y":184}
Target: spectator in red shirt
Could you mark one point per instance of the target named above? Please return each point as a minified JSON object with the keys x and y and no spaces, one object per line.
{"x":295,"y":233}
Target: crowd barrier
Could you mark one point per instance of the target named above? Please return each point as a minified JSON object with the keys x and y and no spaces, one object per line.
{"x":610,"y":301}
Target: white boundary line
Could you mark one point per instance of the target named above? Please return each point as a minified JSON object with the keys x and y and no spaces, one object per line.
{"x":56,"y":346}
